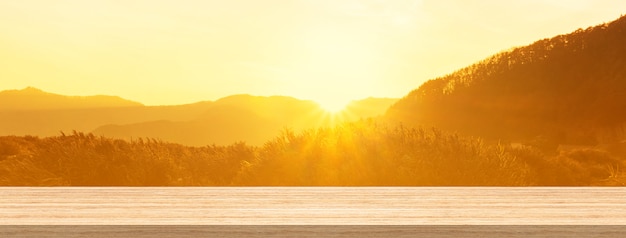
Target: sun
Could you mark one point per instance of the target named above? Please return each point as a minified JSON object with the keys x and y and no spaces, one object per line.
{"x":333,"y":106}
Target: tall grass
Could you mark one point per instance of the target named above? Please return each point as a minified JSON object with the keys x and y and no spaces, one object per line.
{"x":359,"y":153}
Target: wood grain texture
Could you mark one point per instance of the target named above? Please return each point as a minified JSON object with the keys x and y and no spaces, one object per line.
{"x":313,"y":231}
{"x":312,"y":206}
{"x":312,"y":212}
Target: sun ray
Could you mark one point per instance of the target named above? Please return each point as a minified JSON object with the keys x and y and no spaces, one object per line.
{"x":333,"y":106}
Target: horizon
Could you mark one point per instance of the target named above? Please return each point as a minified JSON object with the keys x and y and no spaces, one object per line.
{"x":547,"y":112}
{"x":186,"y":103}
{"x":163,"y":53}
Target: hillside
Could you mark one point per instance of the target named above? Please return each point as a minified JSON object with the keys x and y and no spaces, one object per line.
{"x":569,"y":89}
{"x":368,"y":107}
{"x":251,"y":119}
{"x":31,"y":111}
{"x":50,"y":122}
{"x":35,"y":99}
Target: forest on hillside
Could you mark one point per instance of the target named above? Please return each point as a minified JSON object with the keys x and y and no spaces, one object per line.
{"x":357,"y":154}
{"x":569,"y":89}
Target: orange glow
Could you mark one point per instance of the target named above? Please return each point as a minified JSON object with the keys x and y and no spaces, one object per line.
{"x":317,"y":92}
{"x":169,"y":52}
{"x":264,"y":93}
{"x":333,"y":106}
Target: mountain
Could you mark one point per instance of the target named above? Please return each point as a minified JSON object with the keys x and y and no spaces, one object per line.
{"x":50,"y":122}
{"x":251,"y":119}
{"x":31,"y":111}
{"x":284,"y":110}
{"x":368,"y":107}
{"x":35,"y":99}
{"x":570,"y":89}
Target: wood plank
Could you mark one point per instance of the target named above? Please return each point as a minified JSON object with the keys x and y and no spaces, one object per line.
{"x":342,"y":207}
{"x":312,"y":206}
{"x":313,"y":231}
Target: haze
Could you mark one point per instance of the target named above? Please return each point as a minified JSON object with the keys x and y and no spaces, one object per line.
{"x":173,"y":52}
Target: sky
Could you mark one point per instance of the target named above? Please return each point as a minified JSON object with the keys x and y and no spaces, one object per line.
{"x":163,"y":52}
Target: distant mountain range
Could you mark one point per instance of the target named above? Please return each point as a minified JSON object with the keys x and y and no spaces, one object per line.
{"x":569,"y":89}
{"x":35,"y":99}
{"x":251,"y":119}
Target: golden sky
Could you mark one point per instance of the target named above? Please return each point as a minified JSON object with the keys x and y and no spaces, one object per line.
{"x":331,"y":51}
